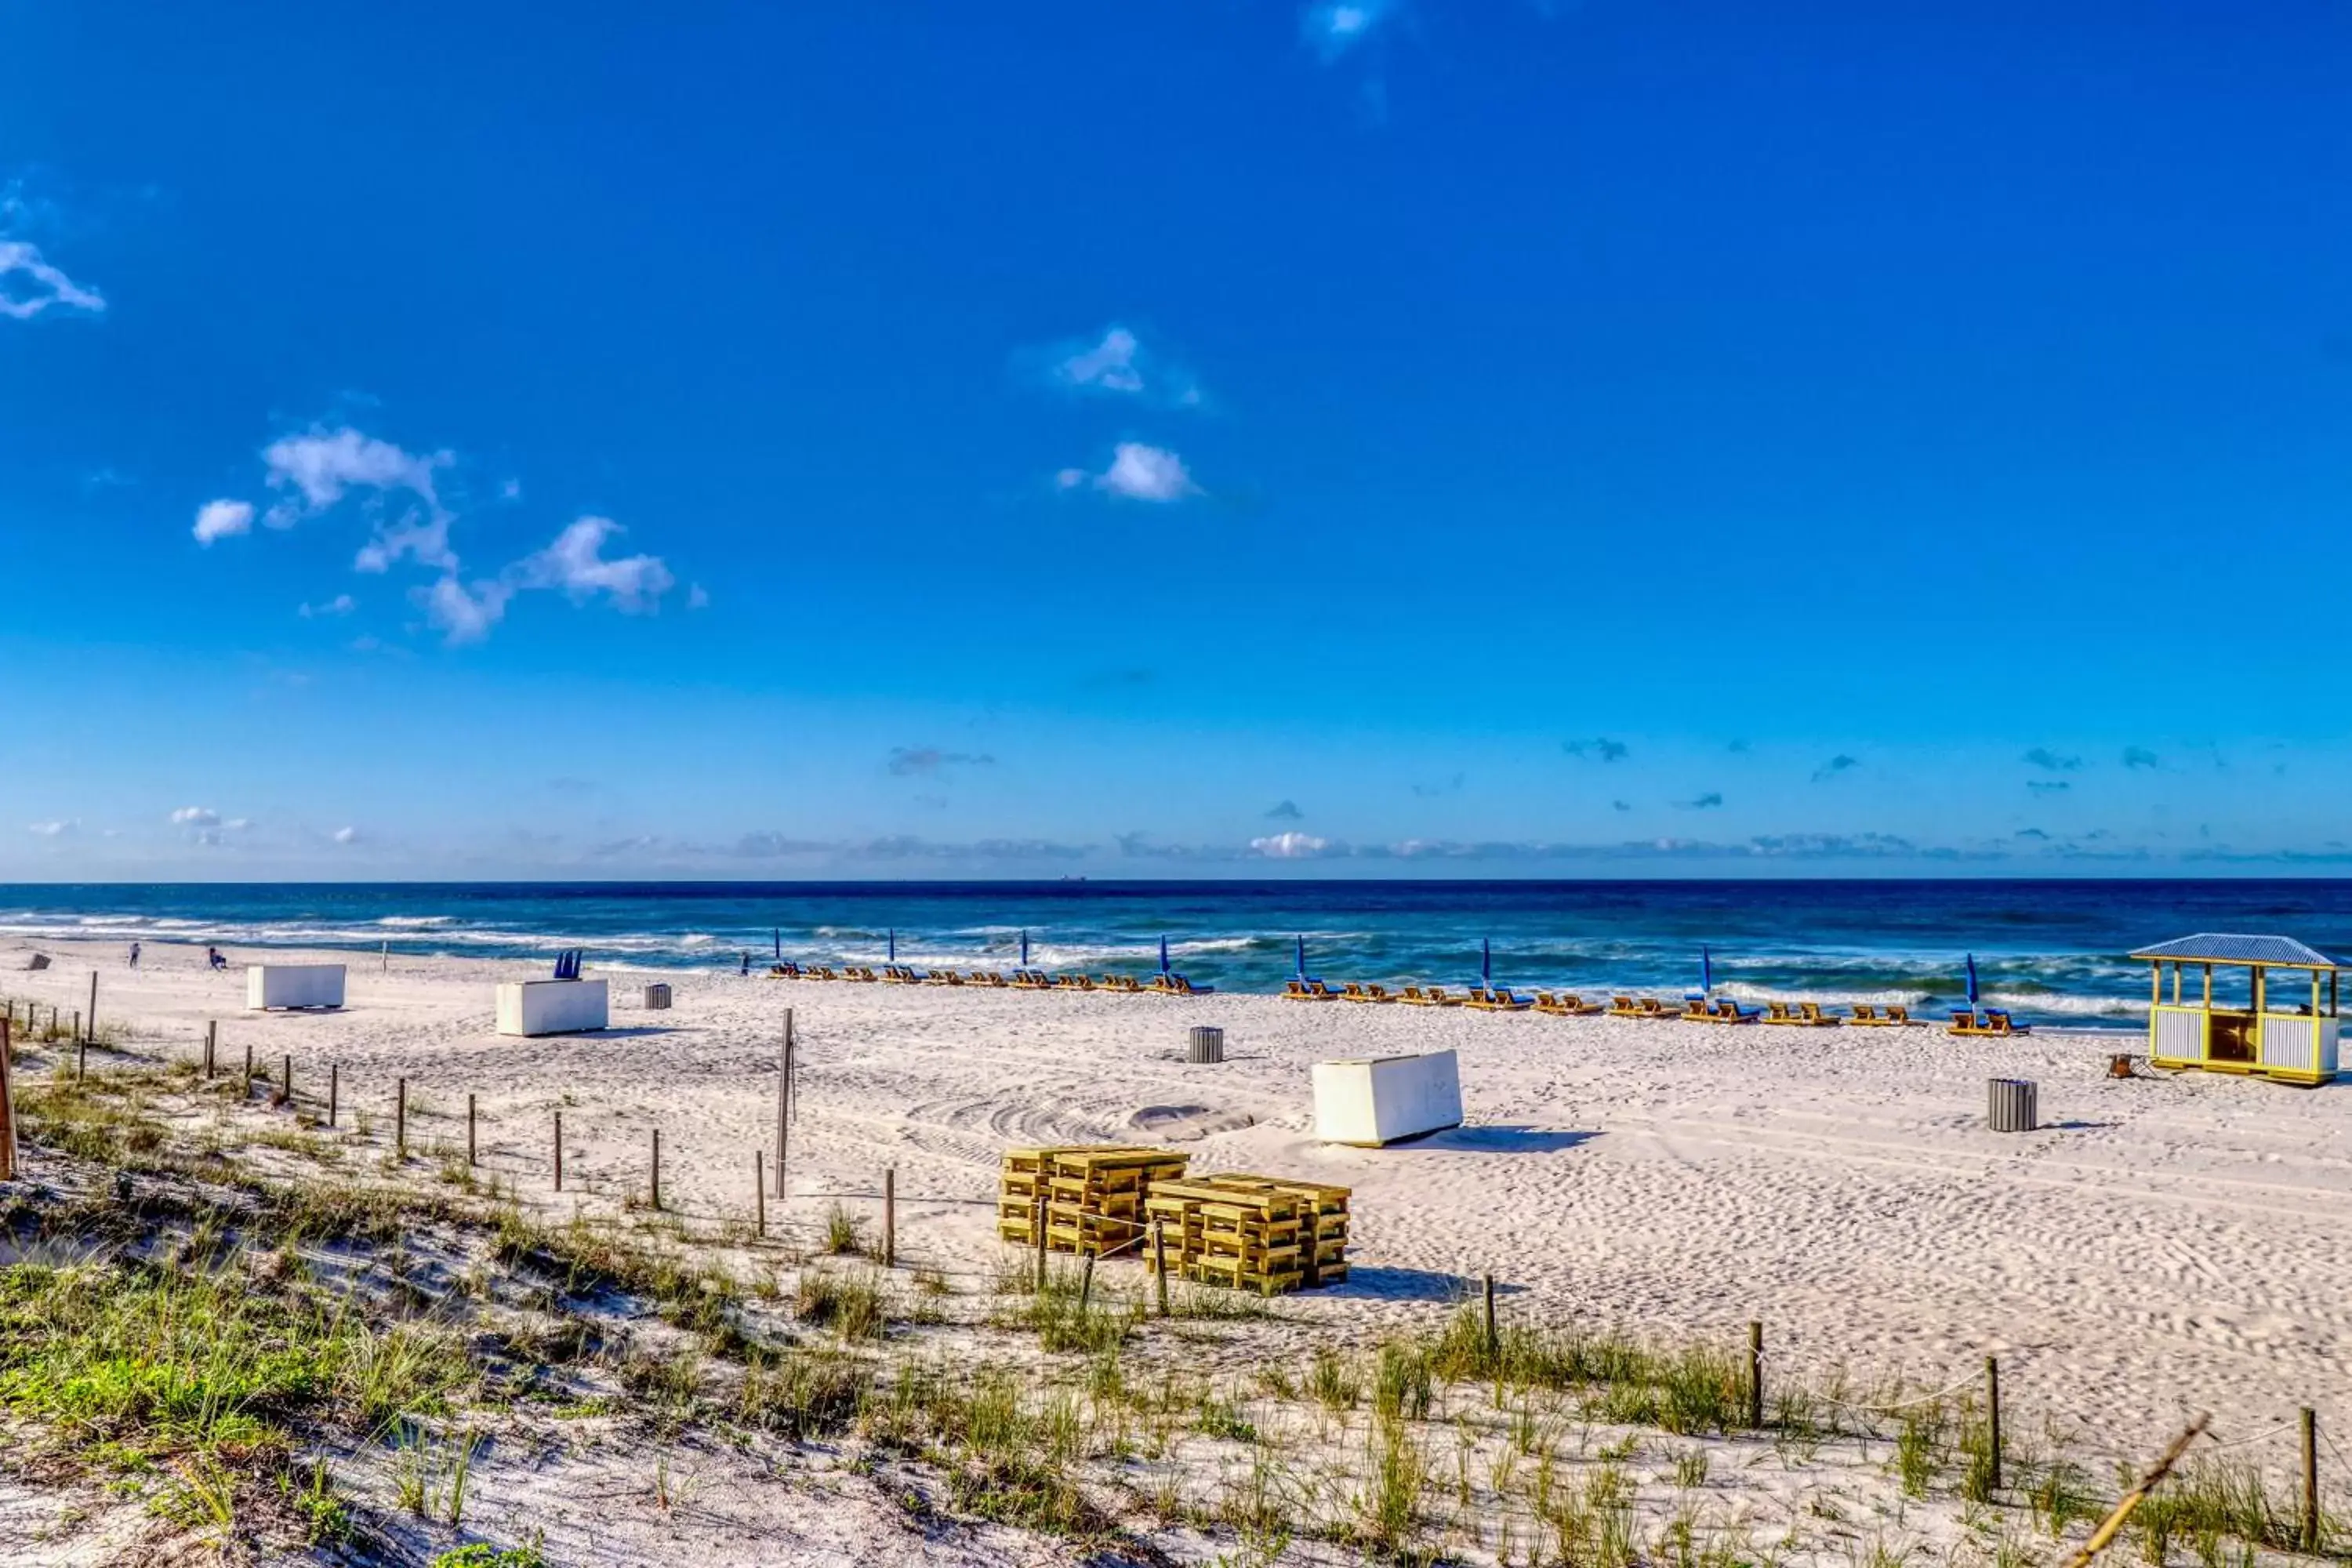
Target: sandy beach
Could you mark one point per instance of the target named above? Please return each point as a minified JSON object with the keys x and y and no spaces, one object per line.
{"x":2166,"y":1245}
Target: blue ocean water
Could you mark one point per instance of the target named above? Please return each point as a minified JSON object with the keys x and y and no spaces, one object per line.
{"x":2050,"y":949}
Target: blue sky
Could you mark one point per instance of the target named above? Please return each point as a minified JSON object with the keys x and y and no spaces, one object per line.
{"x":1459,"y":436}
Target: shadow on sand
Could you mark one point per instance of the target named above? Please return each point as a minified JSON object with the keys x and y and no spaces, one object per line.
{"x":1497,"y":1140}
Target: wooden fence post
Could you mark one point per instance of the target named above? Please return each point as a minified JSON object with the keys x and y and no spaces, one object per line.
{"x":211,"y":1038}
{"x":81,"y":1059}
{"x":758,"y":1193}
{"x":334,"y":1089}
{"x":1040,"y":1241}
{"x":1756,"y":1374}
{"x":471,"y":1158}
{"x":1085,"y":1281}
{"x":784,"y":1103}
{"x":558,"y":1151}
{"x":656,"y":1171}
{"x":2310,"y":1479}
{"x":890,"y":1217}
{"x":1160,"y":1262}
{"x":1493,"y":1341}
{"x":286,"y":1079}
{"x":1992,"y":1421}
{"x":93,"y":1008}
{"x":400,"y":1119}
{"x":248,"y":1069}
{"x":8,"y":1100}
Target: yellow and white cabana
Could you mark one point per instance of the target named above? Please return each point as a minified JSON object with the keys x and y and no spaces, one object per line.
{"x":2279,"y":1020}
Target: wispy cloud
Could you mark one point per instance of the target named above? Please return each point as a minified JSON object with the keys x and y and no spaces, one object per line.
{"x":2050,"y":762}
{"x":1120,"y":363}
{"x":1838,"y":765}
{"x":321,"y":466}
{"x":1332,"y":28}
{"x":1137,"y":471}
{"x":465,"y":615}
{"x":2139,"y":757}
{"x":59,"y":828}
{"x":1295,"y":847}
{"x":345,"y":835}
{"x":576,"y":563}
{"x":1600,"y":749}
{"x":927,"y":761}
{"x":195,"y":816}
{"x":1284,"y":811}
{"x":31,"y":284}
{"x":222,"y":520}
{"x":340,"y":604}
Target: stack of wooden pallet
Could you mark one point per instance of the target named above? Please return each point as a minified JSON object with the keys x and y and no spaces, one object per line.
{"x":1253,"y":1233}
{"x":1093,"y":1196}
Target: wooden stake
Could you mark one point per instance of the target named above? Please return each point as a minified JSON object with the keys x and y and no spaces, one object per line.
{"x":783,"y":1102}
{"x":1160,"y":1262}
{"x":1756,"y":1374}
{"x":2310,"y":1479}
{"x":1040,"y":1239}
{"x":81,"y":1059}
{"x":1085,"y":1281}
{"x":8,"y":1100}
{"x":1492,"y":1341}
{"x":558,"y":1151}
{"x":890,"y":1217}
{"x":1992,"y":1421}
{"x":2110,"y":1526}
{"x":286,"y":1081}
{"x":656,"y":1170}
{"x":211,"y":1038}
{"x":758,"y":1193}
{"x":93,"y":1008}
{"x":471,"y":1158}
{"x":77,"y":1037}
{"x":400,"y":1118}
{"x":334,"y":1089}
{"x":248,"y":1069}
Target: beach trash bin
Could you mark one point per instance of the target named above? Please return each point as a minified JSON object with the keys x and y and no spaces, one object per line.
{"x":2009,"y":1106}
{"x":658,"y":994}
{"x":1207,"y":1044}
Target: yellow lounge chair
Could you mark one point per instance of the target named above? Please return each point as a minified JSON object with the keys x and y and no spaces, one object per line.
{"x":1577,"y":1007}
{"x":1486,"y":1001}
{"x":1624,"y":1007}
{"x":821,"y":972}
{"x":1898,"y":1015}
{"x":783,"y":972}
{"x":1030,"y":979}
{"x":1412,"y":996}
{"x":1355,"y":993}
{"x":1072,"y":983}
{"x":1811,"y":1014}
{"x":1695,"y":1010}
{"x":1295,"y":991}
{"x":1779,"y":1012}
{"x":1351,"y":992}
{"x":1865,"y":1016}
{"x":1438,"y":999}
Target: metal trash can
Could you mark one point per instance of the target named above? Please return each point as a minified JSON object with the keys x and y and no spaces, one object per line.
{"x":2009,"y":1105}
{"x":1207,"y":1044}
{"x":658,"y":994}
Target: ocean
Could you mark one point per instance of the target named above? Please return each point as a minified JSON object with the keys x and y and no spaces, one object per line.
{"x":2051,"y":951}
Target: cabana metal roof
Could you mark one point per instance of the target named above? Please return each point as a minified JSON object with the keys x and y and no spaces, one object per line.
{"x":2224,"y":947}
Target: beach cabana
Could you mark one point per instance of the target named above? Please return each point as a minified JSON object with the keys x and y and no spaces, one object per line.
{"x":2279,"y":1022}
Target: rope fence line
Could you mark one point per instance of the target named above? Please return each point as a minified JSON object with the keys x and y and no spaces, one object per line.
{"x":889,"y":1256}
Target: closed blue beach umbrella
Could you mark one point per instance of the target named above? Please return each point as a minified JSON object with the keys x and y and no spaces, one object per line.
{"x":1024,"y":950}
{"x":1302,"y":957}
{"x":1163,"y":955}
{"x":1972,"y":980}
{"x":1706,"y":971}
{"x":894,"y":945}
{"x":1486,"y":962}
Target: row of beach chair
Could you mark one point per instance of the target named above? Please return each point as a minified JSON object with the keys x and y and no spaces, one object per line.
{"x":989,"y":979}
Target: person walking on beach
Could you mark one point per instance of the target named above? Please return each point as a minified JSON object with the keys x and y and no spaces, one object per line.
{"x":134,"y":955}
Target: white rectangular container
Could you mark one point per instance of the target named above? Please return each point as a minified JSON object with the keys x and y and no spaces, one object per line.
{"x":1372,"y":1100}
{"x":269,"y":985}
{"x":552,"y":1006}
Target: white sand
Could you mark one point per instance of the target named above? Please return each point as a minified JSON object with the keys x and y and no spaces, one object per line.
{"x":2172,"y":1244}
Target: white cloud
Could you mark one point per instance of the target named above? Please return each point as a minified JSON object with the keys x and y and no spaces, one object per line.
{"x":1109,"y":364}
{"x":511,"y":489}
{"x":1291,"y":845}
{"x":53,"y":830}
{"x":1141,"y":472}
{"x":197,"y":816}
{"x":576,"y":563}
{"x":1334,"y":26}
{"x":324,"y":466}
{"x":28,"y":285}
{"x":697,"y":597}
{"x":340,"y":604}
{"x":463,"y":615}
{"x":345,"y":835}
{"x":220,"y":518}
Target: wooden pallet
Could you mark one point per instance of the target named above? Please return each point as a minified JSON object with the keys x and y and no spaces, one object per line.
{"x":1094,"y":1196}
